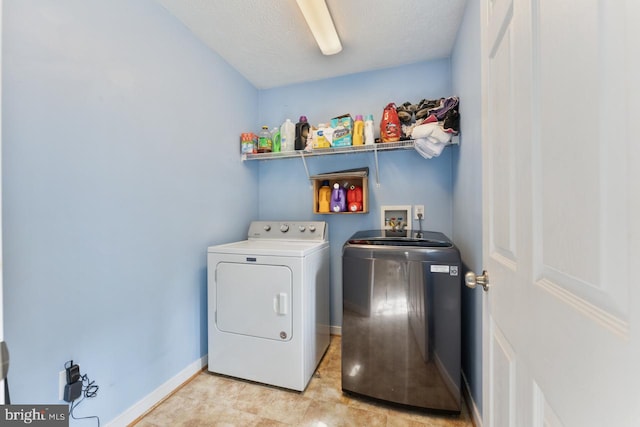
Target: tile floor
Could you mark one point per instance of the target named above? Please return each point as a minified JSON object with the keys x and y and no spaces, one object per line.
{"x":215,"y":400}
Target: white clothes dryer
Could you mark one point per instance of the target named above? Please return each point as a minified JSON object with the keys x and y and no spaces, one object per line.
{"x":268,"y":303}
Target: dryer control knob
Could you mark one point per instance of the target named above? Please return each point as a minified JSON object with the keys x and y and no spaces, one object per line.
{"x":312,"y":228}
{"x":284,"y":228}
{"x":267,"y":227}
{"x":301,"y":228}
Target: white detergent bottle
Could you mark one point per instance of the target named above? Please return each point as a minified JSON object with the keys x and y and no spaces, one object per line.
{"x":287,"y":136}
{"x":368,"y":130}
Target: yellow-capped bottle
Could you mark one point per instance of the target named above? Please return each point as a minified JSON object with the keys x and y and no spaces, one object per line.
{"x":358,"y":131}
{"x":324,"y":197}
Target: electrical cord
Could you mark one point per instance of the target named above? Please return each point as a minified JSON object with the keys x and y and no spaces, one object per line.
{"x":89,"y":390}
{"x":7,"y":398}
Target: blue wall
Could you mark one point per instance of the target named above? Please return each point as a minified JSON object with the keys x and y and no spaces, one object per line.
{"x":406,"y":178}
{"x":467,"y":188}
{"x":120,"y":166}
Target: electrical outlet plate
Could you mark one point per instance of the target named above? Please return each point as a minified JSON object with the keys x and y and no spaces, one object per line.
{"x":62,"y":382}
{"x":418,"y":209}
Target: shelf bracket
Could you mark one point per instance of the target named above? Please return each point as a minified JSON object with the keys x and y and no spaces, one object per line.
{"x":375,"y":154}
{"x":304,"y":162}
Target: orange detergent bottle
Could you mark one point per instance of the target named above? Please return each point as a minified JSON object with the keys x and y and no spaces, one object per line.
{"x":324,"y":197}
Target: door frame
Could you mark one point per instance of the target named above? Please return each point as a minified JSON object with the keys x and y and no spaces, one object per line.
{"x":1,"y":259}
{"x":486,"y":395}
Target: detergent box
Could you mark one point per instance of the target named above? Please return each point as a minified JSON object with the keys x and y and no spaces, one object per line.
{"x":342,"y":130}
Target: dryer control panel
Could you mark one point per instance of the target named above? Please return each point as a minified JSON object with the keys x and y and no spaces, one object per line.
{"x":314,"y":231}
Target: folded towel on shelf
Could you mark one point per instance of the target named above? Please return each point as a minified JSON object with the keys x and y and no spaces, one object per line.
{"x":423,"y":130}
{"x":431,"y":130}
{"x":429,"y":147}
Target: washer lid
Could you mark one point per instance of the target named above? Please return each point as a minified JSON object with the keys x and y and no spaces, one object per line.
{"x":426,"y":239}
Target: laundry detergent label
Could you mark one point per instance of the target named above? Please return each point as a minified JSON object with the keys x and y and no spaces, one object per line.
{"x":440,"y":269}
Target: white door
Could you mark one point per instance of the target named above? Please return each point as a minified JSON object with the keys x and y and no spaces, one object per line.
{"x":561,"y":213}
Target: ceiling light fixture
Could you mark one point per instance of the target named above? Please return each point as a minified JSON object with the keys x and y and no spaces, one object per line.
{"x":321,"y":25}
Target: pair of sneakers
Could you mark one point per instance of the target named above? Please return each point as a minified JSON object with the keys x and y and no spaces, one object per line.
{"x":426,"y":108}
{"x":421,"y":110}
{"x":451,"y":122}
{"x":444,"y":112}
{"x":405,"y":112}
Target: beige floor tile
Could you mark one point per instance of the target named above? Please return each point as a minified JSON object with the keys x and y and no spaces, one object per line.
{"x":254,"y":397}
{"x":326,"y":390}
{"x":321,"y":414}
{"x":397,"y":421}
{"x":216,"y":400}
{"x":222,"y":417}
{"x":208,"y":387}
{"x":357,"y":417}
{"x":288,"y":409}
{"x":264,"y":422}
{"x":147,"y":423}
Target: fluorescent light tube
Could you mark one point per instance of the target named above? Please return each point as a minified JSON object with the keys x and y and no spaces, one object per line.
{"x":321,"y":25}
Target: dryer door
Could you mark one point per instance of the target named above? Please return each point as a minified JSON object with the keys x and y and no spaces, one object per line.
{"x":254,"y":300}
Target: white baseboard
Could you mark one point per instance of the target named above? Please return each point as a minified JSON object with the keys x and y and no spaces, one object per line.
{"x":474,"y":413}
{"x":336,"y":330}
{"x":158,"y":394}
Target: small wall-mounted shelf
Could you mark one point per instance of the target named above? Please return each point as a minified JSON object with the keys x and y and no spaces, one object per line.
{"x":345,"y":179}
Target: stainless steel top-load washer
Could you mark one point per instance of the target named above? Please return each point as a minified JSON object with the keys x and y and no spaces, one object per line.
{"x":401,"y":318}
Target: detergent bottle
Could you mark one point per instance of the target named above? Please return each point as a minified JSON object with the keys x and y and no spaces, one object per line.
{"x":302,"y":133}
{"x":358,"y":131}
{"x":287,"y":136}
{"x":354,"y":197}
{"x":324,"y":198}
{"x":276,"y":139}
{"x":265,"y":143}
{"x":338,"y":199}
{"x":368,"y":130}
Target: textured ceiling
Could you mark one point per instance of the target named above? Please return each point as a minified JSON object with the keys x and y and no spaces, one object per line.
{"x":269,"y":42}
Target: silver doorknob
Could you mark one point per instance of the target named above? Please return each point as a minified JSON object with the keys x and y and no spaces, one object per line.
{"x":471,"y":280}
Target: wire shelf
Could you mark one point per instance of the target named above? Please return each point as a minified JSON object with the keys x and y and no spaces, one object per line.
{"x":351,"y":149}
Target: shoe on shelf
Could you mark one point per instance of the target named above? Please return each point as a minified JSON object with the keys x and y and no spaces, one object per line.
{"x":407,"y":129}
{"x":424,"y":108}
{"x":448,"y":104}
{"x":405,"y":112}
{"x":451,"y":122}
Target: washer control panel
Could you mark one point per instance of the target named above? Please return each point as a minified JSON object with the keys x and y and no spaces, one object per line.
{"x":289,"y":230}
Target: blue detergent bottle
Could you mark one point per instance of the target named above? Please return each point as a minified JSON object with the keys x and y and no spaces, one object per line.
{"x":338,"y":199}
